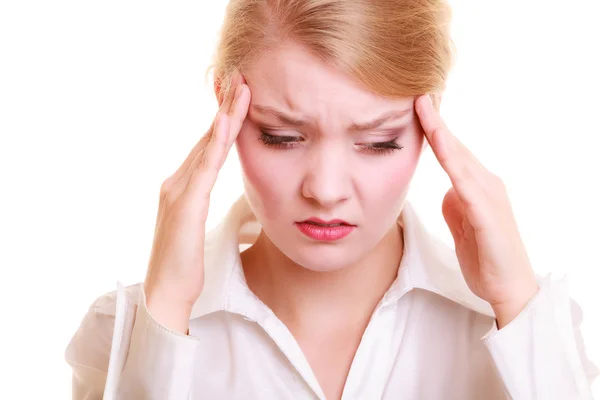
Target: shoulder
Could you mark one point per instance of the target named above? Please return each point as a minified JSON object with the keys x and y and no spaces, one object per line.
{"x":91,"y":343}
{"x":105,"y":305}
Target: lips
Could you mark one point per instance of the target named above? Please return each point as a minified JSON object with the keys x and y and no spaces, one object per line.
{"x":320,"y":222}
{"x":321,"y":230}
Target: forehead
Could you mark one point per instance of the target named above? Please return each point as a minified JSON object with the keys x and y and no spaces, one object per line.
{"x":292,"y":79}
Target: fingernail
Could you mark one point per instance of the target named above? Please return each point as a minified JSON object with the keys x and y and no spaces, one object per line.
{"x":429,"y":99}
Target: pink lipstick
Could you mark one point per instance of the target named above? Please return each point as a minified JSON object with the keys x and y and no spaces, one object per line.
{"x":318,"y":229}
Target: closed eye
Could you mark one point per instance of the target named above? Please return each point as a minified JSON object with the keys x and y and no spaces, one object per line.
{"x":277,"y":141}
{"x":289,"y":142}
{"x":382,"y":147}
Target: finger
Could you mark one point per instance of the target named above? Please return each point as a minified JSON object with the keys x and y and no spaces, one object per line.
{"x":236,"y":80}
{"x":443,"y":143}
{"x":454,"y":214}
{"x":465,"y":171}
{"x":209,"y":162}
{"x":203,"y":142}
{"x":189,"y":159}
{"x":237,"y":113}
{"x":225,"y":108}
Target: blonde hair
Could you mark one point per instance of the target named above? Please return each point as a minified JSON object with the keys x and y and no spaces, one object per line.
{"x":395,"y":48}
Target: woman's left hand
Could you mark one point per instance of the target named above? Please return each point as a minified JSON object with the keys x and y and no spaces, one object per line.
{"x":488,"y":245}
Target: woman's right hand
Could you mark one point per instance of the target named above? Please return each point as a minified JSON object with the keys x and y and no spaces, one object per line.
{"x":175,"y":274}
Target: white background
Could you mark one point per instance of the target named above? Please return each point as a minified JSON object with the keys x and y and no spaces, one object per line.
{"x":101,"y":101}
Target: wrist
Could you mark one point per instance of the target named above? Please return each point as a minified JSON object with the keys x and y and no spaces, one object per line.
{"x":508,"y":310}
{"x":168,"y":311}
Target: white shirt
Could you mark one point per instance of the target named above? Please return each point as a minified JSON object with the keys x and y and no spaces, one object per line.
{"x":429,"y":338}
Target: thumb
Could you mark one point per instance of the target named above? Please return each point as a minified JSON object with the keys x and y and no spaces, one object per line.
{"x":454,"y":214}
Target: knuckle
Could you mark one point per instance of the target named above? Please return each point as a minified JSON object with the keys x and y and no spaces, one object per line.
{"x":169,"y":197}
{"x":164,"y":194}
{"x":166,"y":187}
{"x":202,"y":162}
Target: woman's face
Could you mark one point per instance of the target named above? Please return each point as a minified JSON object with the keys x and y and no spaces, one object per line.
{"x":316,"y":144}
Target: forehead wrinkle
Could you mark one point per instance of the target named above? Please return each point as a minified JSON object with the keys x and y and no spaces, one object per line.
{"x":282,"y":96}
{"x":303,"y":120}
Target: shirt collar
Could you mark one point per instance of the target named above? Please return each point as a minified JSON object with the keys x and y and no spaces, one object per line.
{"x":427,"y":263}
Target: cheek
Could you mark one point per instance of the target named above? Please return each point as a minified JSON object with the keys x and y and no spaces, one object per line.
{"x":405,"y":169}
{"x":267,"y":179}
{"x":386,"y":184}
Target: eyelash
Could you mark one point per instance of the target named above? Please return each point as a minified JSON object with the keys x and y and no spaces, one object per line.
{"x":288,"y":142}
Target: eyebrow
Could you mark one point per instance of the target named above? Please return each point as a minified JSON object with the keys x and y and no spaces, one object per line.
{"x":377,"y":122}
{"x":356,"y":127}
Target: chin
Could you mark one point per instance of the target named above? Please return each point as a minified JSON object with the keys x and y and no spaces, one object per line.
{"x":325,"y":259}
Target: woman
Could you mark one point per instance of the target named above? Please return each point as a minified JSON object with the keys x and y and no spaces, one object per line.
{"x":341,"y":293}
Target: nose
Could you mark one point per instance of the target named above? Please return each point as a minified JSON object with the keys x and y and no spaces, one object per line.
{"x":328,"y":178}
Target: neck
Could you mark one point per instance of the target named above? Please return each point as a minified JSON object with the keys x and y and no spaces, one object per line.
{"x":301,"y":297}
